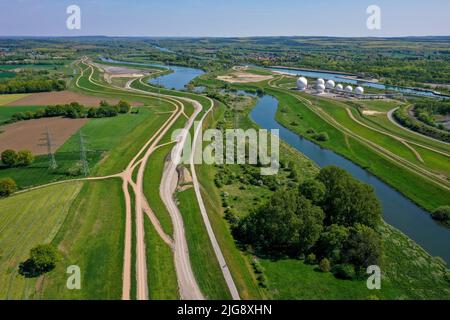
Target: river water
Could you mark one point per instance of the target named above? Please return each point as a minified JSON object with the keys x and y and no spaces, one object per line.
{"x":398,"y":210}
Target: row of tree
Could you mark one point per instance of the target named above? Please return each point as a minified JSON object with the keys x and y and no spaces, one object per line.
{"x":30,"y":86}
{"x":11,"y":158}
{"x":401,"y":115}
{"x":332,"y":217}
{"x":74,"y":110}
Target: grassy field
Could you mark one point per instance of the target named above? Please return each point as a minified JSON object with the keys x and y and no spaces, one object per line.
{"x":408,"y":271}
{"x":204,"y":263}
{"x":114,"y":141}
{"x":426,"y":193}
{"x":27,"y":220}
{"x":7,"y":112}
{"x":92,"y":237}
{"x":161,"y":275}
{"x":8,"y":98}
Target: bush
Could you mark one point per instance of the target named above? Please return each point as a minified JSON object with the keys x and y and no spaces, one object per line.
{"x":25,"y":158}
{"x":9,"y":158}
{"x":311,"y":259}
{"x":43,"y":259}
{"x":344,"y":271}
{"x":325,"y":265}
{"x":124,"y":107}
{"x":442,"y":214}
{"x":323,"y":136}
{"x":7,"y":187}
{"x":313,"y":190}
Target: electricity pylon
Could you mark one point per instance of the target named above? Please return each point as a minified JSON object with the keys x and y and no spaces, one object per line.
{"x":51,"y":155}
{"x":84,"y":162}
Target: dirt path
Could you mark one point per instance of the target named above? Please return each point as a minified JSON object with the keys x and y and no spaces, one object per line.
{"x":224,"y":267}
{"x":391,"y":119}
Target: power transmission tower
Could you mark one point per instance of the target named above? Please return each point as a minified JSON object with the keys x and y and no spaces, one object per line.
{"x":84,"y":162}
{"x":51,"y":155}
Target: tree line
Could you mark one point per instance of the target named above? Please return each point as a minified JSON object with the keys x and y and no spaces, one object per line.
{"x":31,"y":86}
{"x":330,"y":220}
{"x":74,"y":110}
{"x":402,"y":116}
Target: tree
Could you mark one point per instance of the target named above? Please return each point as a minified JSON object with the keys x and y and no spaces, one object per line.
{"x":7,"y":187}
{"x":348,"y":201}
{"x":332,"y":241}
{"x":288,"y":224}
{"x":272,"y":227}
{"x":313,"y":190}
{"x":43,"y":258}
{"x":310,"y":226}
{"x":124,"y":107}
{"x":325,"y":265}
{"x":311,"y":259}
{"x":442,"y":214}
{"x":9,"y":158}
{"x":363,"y":247}
{"x":25,"y":158}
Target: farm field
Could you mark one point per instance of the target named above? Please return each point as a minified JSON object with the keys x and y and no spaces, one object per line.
{"x":31,"y":134}
{"x":27,"y":220}
{"x":92,"y":237}
{"x":6,"y":112}
{"x":9,"y":98}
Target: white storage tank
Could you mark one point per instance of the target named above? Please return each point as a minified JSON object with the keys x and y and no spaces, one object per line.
{"x":359,"y":90}
{"x":330,"y":84}
{"x":302,"y":83}
{"x":349,"y":89}
{"x":320,"y":88}
{"x":339,"y":87}
{"x":320,"y":81}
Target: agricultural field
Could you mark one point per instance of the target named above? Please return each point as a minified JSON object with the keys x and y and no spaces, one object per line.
{"x":26,"y":220}
{"x":143,"y":227}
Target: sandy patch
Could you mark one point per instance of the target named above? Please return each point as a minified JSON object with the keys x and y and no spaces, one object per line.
{"x":371,"y":112}
{"x":243,"y":77}
{"x":62,"y":97}
{"x":31,"y":134}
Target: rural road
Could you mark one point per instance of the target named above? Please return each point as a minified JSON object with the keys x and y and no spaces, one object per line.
{"x":223,"y":265}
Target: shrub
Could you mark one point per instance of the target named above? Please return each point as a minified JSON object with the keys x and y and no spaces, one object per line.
{"x":25,"y":158}
{"x":43,"y":258}
{"x":7,"y":187}
{"x":323,"y":136}
{"x":442,"y":214}
{"x":124,"y":107}
{"x":325,"y":265}
{"x":344,"y":271}
{"x":311,"y":259}
{"x":9,"y":158}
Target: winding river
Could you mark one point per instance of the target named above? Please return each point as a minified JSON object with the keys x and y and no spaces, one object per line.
{"x":398,"y":210}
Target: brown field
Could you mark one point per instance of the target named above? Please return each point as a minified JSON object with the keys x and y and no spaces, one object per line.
{"x":31,"y":134}
{"x":243,"y":77}
{"x":62,"y":97}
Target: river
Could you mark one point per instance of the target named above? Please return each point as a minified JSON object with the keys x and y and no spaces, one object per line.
{"x":398,"y":210}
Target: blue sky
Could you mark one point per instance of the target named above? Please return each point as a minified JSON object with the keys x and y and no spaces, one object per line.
{"x":224,"y":17}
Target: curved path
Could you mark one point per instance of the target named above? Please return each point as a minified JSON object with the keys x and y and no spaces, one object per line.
{"x":391,"y":119}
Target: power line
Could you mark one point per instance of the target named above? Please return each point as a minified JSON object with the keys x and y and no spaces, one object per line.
{"x":84,"y":162}
{"x":51,"y":155}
